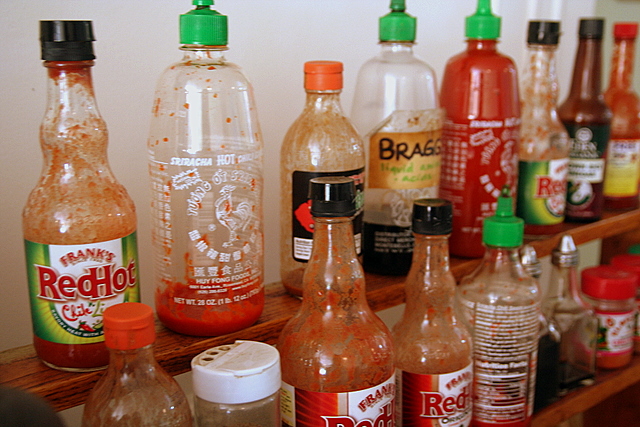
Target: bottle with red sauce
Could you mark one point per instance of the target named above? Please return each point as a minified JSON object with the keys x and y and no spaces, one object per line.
{"x":481,"y":130}
{"x":433,"y":347}
{"x":622,"y":173}
{"x":79,"y":223}
{"x":336,"y":354}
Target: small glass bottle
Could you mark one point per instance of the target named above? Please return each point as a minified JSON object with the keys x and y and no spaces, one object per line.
{"x":612,"y":292}
{"x":135,"y":390}
{"x":335,"y":349}
{"x":433,"y":347}
{"x":237,"y":385}
{"x":321,"y":142}
{"x":631,"y":262}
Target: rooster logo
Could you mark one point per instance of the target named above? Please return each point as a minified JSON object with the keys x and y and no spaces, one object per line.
{"x":232,"y":212}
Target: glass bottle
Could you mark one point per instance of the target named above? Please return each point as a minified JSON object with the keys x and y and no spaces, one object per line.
{"x":79,"y":223}
{"x":135,"y":391}
{"x":205,"y":165}
{"x":432,"y":346}
{"x":587,"y":120}
{"x":622,"y":172}
{"x":335,"y":349}
{"x":544,"y":142}
{"x":480,"y":136}
{"x":395,"y":109}
{"x":501,"y":302}
{"x":320,"y":142}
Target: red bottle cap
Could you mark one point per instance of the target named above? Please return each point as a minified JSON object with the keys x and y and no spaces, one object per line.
{"x":128,"y":326}
{"x":323,"y":75}
{"x":625,"y":30}
{"x":609,"y":282}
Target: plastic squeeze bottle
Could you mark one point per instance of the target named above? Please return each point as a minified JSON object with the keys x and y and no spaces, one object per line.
{"x":433,"y":347}
{"x":395,"y":109}
{"x":320,"y":142}
{"x":622,"y":172}
{"x":205,"y":163}
{"x":544,"y":142}
{"x":501,"y":303}
{"x":135,"y":390}
{"x":336,"y":354}
{"x":79,"y":223}
{"x":480,"y":135}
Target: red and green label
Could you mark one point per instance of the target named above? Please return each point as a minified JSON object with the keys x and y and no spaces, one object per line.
{"x":542,"y":191}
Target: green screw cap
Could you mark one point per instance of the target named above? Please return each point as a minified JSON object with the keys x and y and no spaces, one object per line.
{"x":203,"y":26}
{"x":483,"y":24}
{"x":397,"y":26}
{"x":503,"y":229}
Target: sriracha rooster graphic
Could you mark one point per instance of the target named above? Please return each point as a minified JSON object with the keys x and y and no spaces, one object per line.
{"x":232,"y":212}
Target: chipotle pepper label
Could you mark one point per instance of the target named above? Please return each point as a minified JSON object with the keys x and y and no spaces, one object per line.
{"x":70,"y":286}
{"x":615,"y":333}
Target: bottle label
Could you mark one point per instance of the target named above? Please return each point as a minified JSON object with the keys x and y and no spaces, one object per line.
{"x":374,"y":406}
{"x":70,"y":286}
{"x":435,"y":400}
{"x":302,"y":234}
{"x":622,"y":170}
{"x":615,"y":332}
{"x":542,"y":191}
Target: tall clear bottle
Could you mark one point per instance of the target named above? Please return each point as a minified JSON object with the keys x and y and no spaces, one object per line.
{"x":588,"y":121}
{"x":432,"y":346}
{"x":79,"y":223}
{"x":205,"y":165}
{"x":622,"y":173}
{"x":395,"y":109}
{"x":335,"y":352}
{"x":321,"y":142}
{"x":544,"y":142}
{"x":501,"y":302}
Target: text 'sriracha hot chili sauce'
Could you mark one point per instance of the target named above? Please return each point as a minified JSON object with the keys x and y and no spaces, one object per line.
{"x":336,"y":354}
{"x":79,"y":223}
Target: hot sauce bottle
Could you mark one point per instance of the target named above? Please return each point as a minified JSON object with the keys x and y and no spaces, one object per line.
{"x":480,"y":135}
{"x":79,"y":223}
{"x":433,"y":347}
{"x":336,"y":354}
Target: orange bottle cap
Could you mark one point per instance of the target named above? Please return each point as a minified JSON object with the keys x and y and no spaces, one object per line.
{"x":323,"y":75}
{"x":128,"y":326}
{"x":625,"y":30}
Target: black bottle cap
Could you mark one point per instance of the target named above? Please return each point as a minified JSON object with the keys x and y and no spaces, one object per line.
{"x":66,"y":40}
{"x":432,"y":217}
{"x":332,"y":196}
{"x":592,"y":28}
{"x":544,"y":32}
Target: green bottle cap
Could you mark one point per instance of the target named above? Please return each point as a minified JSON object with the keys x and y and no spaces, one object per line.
{"x":503,"y":229}
{"x":397,"y":26}
{"x":203,"y":26}
{"x":483,"y":24}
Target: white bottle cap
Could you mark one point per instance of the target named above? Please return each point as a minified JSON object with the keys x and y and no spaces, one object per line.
{"x":242,"y":372}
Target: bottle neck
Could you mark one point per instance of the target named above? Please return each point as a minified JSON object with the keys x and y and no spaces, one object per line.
{"x":396,"y":48}
{"x":326,"y":101}
{"x":430,"y":286}
{"x":123,"y":361}
{"x":70,"y":89}
{"x":586,"y":82}
{"x":198,"y":54}
{"x":540,"y":80}
{"x":622,"y":64}
{"x":488,"y":45}
{"x":498,"y":260}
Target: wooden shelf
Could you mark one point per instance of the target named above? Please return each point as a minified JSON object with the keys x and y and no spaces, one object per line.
{"x":19,"y":367}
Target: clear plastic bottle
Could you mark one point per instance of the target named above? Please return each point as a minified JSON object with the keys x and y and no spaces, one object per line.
{"x":135,"y":391}
{"x":544,"y":142}
{"x":79,"y":223}
{"x":433,"y":348}
{"x":205,"y":165}
{"x":335,"y":349}
{"x":501,"y":302}
{"x":395,"y":109}
{"x":321,"y":142}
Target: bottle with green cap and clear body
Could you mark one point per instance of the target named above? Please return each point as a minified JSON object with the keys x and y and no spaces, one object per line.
{"x":501,"y":303}
{"x":396,"y":110}
{"x":205,"y":164}
{"x":480,"y":136}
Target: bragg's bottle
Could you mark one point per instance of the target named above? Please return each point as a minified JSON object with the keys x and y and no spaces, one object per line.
{"x":79,"y":223}
{"x":588,"y":120}
{"x":501,"y":302}
{"x":544,"y":143}
{"x":480,"y":135}
{"x":335,"y":352}
{"x":205,"y":164}
{"x":432,"y":346}
{"x":321,"y":142}
{"x":622,"y":172}
{"x":395,"y":109}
